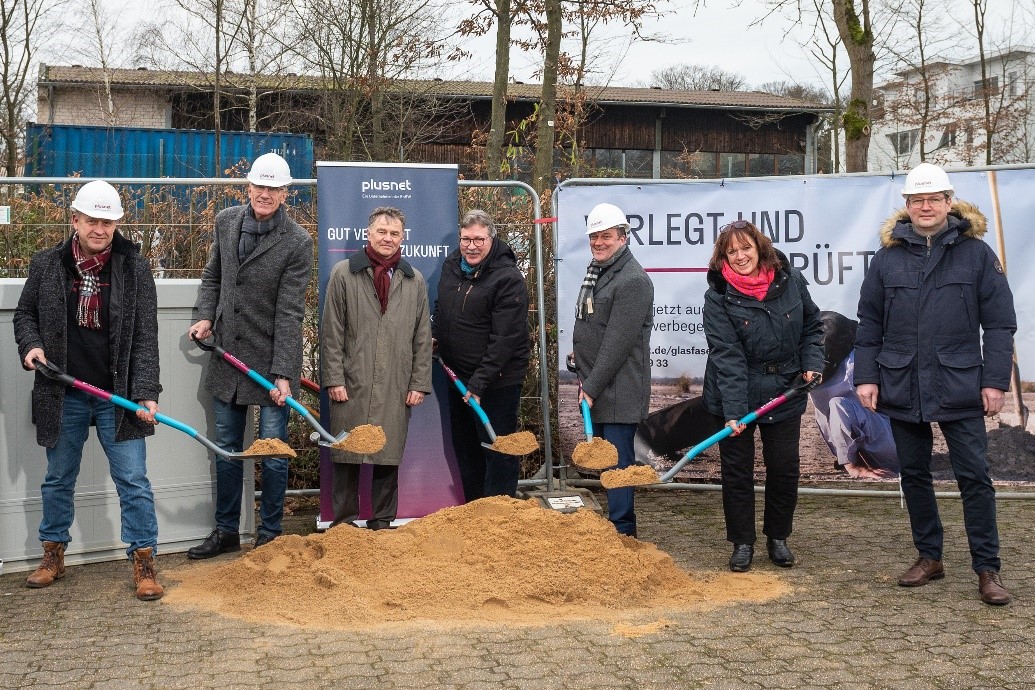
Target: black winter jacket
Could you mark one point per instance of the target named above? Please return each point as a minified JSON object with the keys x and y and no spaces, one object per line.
{"x":481,"y":320}
{"x":757,"y":348}
{"x":936,"y":322}
{"x":41,"y":320}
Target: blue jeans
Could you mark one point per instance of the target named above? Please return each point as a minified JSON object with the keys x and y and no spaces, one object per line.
{"x":484,"y":472}
{"x":127,"y":463}
{"x":230,"y":420}
{"x":620,"y":501}
{"x":968,"y":447}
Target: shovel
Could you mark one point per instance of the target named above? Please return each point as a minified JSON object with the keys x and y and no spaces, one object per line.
{"x":508,"y":444}
{"x":591,"y":454}
{"x":799,"y":387}
{"x":53,"y":372}
{"x":321,"y":435}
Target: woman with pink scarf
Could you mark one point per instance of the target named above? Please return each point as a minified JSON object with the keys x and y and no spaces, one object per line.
{"x":763,"y":330}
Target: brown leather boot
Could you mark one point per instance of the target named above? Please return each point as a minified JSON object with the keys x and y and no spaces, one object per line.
{"x":146,"y":575}
{"x":51,"y":568}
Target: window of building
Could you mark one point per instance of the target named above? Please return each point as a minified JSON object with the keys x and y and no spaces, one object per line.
{"x":790,"y":164}
{"x":903,"y":142}
{"x":732,"y":165}
{"x":1012,"y":85}
{"x":760,"y":164}
{"x":991,"y":85}
{"x":703,"y":164}
{"x":674,"y":164}
{"x":948,"y":139}
{"x":639,"y":163}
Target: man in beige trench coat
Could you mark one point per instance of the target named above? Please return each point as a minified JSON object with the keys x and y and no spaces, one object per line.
{"x":375,"y":352}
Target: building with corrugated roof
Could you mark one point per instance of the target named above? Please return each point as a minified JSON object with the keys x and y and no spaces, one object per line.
{"x":611,"y":131}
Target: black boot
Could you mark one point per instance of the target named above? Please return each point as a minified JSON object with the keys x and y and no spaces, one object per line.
{"x":779,"y":553}
{"x":215,"y":544}
{"x":740,"y":561}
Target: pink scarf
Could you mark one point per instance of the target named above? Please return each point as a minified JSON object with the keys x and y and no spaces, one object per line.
{"x":752,"y":286}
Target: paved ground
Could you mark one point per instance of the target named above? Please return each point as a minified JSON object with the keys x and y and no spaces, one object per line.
{"x":846,"y":625}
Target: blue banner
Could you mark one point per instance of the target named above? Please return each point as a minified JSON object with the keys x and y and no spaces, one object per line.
{"x":427,"y":194}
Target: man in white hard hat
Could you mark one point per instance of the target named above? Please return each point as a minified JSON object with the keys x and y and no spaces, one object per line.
{"x":611,"y":343}
{"x":935,"y":344}
{"x":89,"y":307}
{"x":252,"y":299}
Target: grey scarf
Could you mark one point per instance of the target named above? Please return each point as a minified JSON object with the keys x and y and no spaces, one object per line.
{"x":593,"y":271}
{"x":252,"y":230}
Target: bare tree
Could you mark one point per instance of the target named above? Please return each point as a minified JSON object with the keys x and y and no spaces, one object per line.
{"x":685,"y":77}
{"x":25,"y":25}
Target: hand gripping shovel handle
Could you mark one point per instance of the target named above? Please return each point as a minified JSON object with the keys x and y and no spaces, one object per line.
{"x":799,"y":386}
{"x":470,"y":401}
{"x":53,"y":372}
{"x":265,"y":383}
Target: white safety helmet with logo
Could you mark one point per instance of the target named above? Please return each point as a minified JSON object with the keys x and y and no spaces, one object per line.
{"x":604,"y":217}
{"x":926,"y":179}
{"x":270,"y":170}
{"x":98,"y":199}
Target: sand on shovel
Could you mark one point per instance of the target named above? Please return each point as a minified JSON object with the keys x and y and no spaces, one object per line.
{"x":634,"y":475}
{"x":519,"y":443}
{"x":365,"y":439}
{"x":494,"y":561}
{"x":270,"y":446}
{"x":596,"y":454}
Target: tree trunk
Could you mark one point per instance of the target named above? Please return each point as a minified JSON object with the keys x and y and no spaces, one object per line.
{"x":498,"y":121}
{"x":856,"y":33}
{"x":542,"y":173}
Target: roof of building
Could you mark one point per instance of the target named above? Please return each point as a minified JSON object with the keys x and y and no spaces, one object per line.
{"x":475,"y":90}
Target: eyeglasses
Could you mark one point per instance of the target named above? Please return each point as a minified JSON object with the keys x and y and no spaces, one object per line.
{"x":735,"y":225}
{"x":475,"y":241}
{"x":919,"y":201}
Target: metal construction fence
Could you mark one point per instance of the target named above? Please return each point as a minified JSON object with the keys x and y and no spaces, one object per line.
{"x":172,"y":221}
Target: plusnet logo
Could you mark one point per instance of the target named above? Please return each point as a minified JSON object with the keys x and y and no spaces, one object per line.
{"x":373,"y":185}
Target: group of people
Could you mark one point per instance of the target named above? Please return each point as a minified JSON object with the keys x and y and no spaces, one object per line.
{"x":89,"y":307}
{"x":934,"y":344}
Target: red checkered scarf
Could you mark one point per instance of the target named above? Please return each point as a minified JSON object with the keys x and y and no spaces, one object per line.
{"x":88,"y":313}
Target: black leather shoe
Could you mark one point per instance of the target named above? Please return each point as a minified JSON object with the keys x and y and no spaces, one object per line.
{"x":375,"y":525}
{"x":779,"y":553}
{"x":215,"y":544}
{"x":740,"y":561}
{"x":263,"y":539}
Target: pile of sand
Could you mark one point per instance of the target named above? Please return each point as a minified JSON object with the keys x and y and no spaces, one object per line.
{"x":365,"y":439}
{"x":497,"y":559}
{"x":266,"y":447}
{"x":634,"y":475}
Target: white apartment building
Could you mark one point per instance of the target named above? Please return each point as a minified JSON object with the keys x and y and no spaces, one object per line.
{"x":947,"y":112}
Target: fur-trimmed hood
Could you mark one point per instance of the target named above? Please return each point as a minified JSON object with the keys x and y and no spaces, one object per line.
{"x":975,"y":225}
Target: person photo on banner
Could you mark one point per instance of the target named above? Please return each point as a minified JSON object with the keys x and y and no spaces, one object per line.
{"x":935,"y":344}
{"x":763,"y":331}
{"x":375,"y":358}
{"x":481,"y":332}
{"x":860,"y":439}
{"x":252,"y":300}
{"x":611,"y":343}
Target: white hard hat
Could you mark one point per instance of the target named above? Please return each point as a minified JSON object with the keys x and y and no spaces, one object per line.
{"x":926,"y":178}
{"x":270,"y":170}
{"x":98,"y":199}
{"x":605,"y":216}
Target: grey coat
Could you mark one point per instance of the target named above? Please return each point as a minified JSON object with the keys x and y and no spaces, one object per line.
{"x":256,"y":307}
{"x":378,"y":357}
{"x":612,"y":344}
{"x":41,"y":320}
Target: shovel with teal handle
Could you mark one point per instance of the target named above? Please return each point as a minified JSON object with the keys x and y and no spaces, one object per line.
{"x":53,"y":372}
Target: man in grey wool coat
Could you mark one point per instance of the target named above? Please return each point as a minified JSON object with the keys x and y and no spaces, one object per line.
{"x":611,"y":341}
{"x":252,"y":299}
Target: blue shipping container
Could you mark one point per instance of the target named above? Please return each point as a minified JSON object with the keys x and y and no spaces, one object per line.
{"x":119,"y":152}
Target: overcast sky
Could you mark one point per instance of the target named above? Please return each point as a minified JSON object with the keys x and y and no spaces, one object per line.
{"x":716,"y":34}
